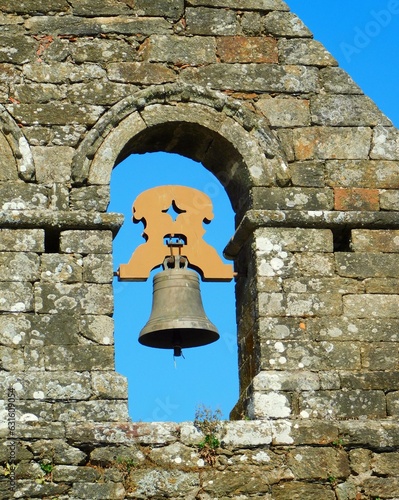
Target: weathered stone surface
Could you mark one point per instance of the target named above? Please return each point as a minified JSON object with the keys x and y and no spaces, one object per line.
{"x":103,"y":50}
{"x":296,"y":491}
{"x":11,"y":359}
{"x":17,"y":49}
{"x":78,"y":358}
{"x":344,"y":404}
{"x":39,"y":92}
{"x":98,"y":268}
{"x":291,"y":198}
{"x":293,"y":240}
{"x":245,"y":4}
{"x":58,"y":452}
{"x":33,"y":6}
{"x":385,"y":143}
{"x":346,"y":110}
{"x":254,"y":77}
{"x":86,"y":242}
{"x":93,"y":411}
{"x":337,"y":81}
{"x":356,"y":199}
{"x":285,"y":24}
{"x":72,"y":473}
{"x":57,"y":329}
{"x":46,"y":158}
{"x":321,"y":284}
{"x":393,"y":403}
{"x":90,"y":198}
{"x":389,"y":200}
{"x":321,"y":463}
{"x":55,"y":114}
{"x":14,"y":328}
{"x":66,"y":268}
{"x":76,"y":298}
{"x":98,"y":491}
{"x":178,"y":50}
{"x":308,"y":355}
{"x":304,"y":51}
{"x":370,"y":174}
{"x":8,"y":167}
{"x":100,"y":8}
{"x":380,"y":356}
{"x":20,"y":196}
{"x":350,"y":328}
{"x":140,"y":73}
{"x":109,"y":385}
{"x":387,"y":381}
{"x":381,"y":285}
{"x":307,"y":173}
{"x":315,"y":264}
{"x":299,"y":304}
{"x":208,"y":21}
{"x":366,"y":306}
{"x":165,"y":483}
{"x":99,"y":329}
{"x":286,"y":381}
{"x":381,"y":487}
{"x":331,"y":142}
{"x":75,"y":25}
{"x":367,"y":265}
{"x":16,"y":297}
{"x":19,"y":266}
{"x":60,"y":72}
{"x":232,"y":49}
{"x":364,"y":240}
{"x":168,"y":8}
{"x":285,"y":112}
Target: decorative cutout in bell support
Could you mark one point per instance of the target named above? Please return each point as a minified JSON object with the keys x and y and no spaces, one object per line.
{"x":192,"y":208}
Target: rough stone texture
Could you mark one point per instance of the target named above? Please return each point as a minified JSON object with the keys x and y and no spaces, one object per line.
{"x":311,"y":168}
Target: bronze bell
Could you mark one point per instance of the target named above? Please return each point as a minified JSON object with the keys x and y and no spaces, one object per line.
{"x":177,"y":319}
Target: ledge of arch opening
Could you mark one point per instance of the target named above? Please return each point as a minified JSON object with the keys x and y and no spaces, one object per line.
{"x":18,"y":144}
{"x":253,"y":128}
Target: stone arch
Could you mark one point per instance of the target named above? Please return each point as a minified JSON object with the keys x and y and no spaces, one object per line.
{"x":233,"y":142}
{"x":17,"y":159}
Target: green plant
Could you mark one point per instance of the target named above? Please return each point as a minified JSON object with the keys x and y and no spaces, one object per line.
{"x":46,"y":467}
{"x":332,"y":480}
{"x":207,"y":421}
{"x":125,"y":464}
{"x":338,"y":443}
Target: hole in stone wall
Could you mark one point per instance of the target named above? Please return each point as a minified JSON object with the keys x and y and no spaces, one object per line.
{"x":342,"y":240}
{"x":159,"y":390}
{"x":51,"y":241}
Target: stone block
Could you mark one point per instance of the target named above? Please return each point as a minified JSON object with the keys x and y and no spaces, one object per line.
{"x":73,"y":473}
{"x":304,"y":51}
{"x":346,"y":111}
{"x":331,"y":143}
{"x":58,"y":452}
{"x":98,"y":491}
{"x":299,"y":304}
{"x":12,"y":360}
{"x":381,"y":487}
{"x":8,"y":167}
{"x":90,"y":198}
{"x":360,"y":460}
{"x":109,"y":385}
{"x":285,"y":112}
{"x":14,"y":328}
{"x":55,"y":114}
{"x":375,"y":380}
{"x":351,"y":329}
{"x":285,"y":24}
{"x":180,"y":50}
{"x":268,"y":240}
{"x":385,"y":464}
{"x":99,"y":329}
{"x":17,"y":49}
{"x":140,"y":73}
{"x":54,"y":329}
{"x":381,"y":285}
{"x":251,"y":23}
{"x":371,"y":306}
{"x":75,"y":298}
{"x":19,"y":266}
{"x":21,"y":196}
{"x":16,"y":297}
{"x":34,"y":6}
{"x":269,"y":405}
{"x":296,"y":490}
{"x":385,"y":143}
{"x":83,"y":50}
{"x":315,"y":264}
{"x":78,"y":358}
{"x":39,"y":92}
{"x":31,"y":489}
{"x":244,"y":49}
{"x":337,"y":81}
{"x":164,"y":483}
{"x":393,"y":403}
{"x":380,"y":356}
{"x":370,"y":434}
{"x":322,"y":284}
{"x":356,"y":199}
{"x":344,"y":404}
{"x":81,"y":26}
{"x":86,"y":242}
{"x":98,"y":268}
{"x":318,"y":463}
{"x":366,"y":240}
{"x":360,"y":173}
{"x":255,"y":77}
{"x":367,"y":265}
{"x":65,"y":268}
{"x":314,"y":432}
{"x":209,"y":21}
{"x":92,"y":411}
{"x":286,"y":381}
{"x":47,"y":157}
{"x":161,"y":8}
{"x":389,"y":200}
{"x":261,"y":5}
{"x":307,"y":355}
{"x":94,"y":8}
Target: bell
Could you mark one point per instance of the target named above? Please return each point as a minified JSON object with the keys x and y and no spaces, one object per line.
{"x":177,"y":319}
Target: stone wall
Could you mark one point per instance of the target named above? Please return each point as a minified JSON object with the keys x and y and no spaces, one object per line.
{"x":311,"y":168}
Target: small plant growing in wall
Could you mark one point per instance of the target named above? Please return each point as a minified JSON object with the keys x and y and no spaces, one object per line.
{"x":207,"y":421}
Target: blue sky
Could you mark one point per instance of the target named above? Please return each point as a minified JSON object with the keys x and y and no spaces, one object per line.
{"x":362,"y":36}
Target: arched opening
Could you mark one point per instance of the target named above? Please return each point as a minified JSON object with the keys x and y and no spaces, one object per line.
{"x":159,"y":390}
